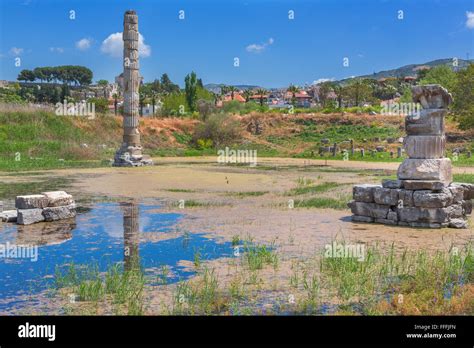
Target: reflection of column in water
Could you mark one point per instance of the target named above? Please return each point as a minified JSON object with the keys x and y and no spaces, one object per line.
{"x":131,"y":235}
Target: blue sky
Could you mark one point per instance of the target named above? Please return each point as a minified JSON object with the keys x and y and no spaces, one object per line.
{"x":273,"y":49}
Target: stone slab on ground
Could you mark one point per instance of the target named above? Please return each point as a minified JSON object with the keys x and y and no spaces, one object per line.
{"x":373,"y":210}
{"x":58,"y":198}
{"x":59,"y":213}
{"x":31,"y":202}
{"x":9,"y":215}
{"x":29,"y":216}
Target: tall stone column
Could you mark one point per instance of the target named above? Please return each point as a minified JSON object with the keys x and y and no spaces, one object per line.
{"x":130,"y":153}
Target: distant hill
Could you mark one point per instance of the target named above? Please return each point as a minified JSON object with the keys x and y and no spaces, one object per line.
{"x":411,"y":69}
{"x":406,"y":70}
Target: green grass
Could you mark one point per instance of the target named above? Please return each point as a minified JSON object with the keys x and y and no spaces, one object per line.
{"x":258,"y":255}
{"x":179,"y":190}
{"x":324,"y":187}
{"x":416,"y":275}
{"x":191,"y":203}
{"x":123,"y":289}
{"x":466,"y":178}
{"x":11,"y":190}
{"x":247,"y":194}
{"x":322,"y":202}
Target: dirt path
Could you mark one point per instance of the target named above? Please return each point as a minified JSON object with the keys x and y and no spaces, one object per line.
{"x":305,"y":162}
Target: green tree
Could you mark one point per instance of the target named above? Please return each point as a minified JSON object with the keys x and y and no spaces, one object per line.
{"x":168,"y":87}
{"x":102,"y":83}
{"x":359,"y":90}
{"x":26,"y":75}
{"x":463,"y":95}
{"x":442,"y":75}
{"x":261,"y":92}
{"x":190,"y":90}
{"x":293,"y":90}
{"x":247,"y":94}
{"x":324,"y":89}
{"x":232,"y":91}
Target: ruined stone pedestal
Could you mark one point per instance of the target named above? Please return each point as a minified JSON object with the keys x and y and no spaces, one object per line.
{"x":130,"y":153}
{"x":423,"y":195}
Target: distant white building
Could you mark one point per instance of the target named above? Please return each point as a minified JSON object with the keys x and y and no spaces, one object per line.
{"x":148,"y":110}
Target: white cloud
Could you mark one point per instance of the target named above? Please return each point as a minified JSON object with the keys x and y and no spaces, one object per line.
{"x":256,"y":48}
{"x":83,"y":44}
{"x":470,"y":19}
{"x":113,"y":46}
{"x":16,"y":51}
{"x":321,"y":80}
{"x":57,"y":49}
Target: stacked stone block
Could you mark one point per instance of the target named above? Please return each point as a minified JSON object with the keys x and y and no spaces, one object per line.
{"x":47,"y":206}
{"x":423,"y":195}
{"x":392,"y":204}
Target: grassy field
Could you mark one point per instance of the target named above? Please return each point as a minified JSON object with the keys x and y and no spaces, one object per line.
{"x":31,"y":140}
{"x":379,"y":281}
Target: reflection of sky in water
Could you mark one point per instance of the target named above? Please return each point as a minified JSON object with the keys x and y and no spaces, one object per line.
{"x":98,"y":239}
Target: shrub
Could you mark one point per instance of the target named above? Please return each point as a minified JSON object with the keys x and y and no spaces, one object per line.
{"x":219,"y":128}
{"x":101,"y":105}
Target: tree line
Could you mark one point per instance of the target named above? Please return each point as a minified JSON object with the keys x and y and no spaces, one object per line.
{"x":66,"y":74}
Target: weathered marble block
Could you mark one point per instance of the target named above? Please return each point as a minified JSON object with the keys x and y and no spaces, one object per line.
{"x":437,"y":215}
{"x":29,"y":216}
{"x":431,"y":96}
{"x":426,"y":169}
{"x":31,"y":202}
{"x":430,"y":199}
{"x":358,"y":218}
{"x":364,"y":193}
{"x":468,"y":190}
{"x":406,"y":198}
{"x":59,"y":213}
{"x":386,"y":196}
{"x":423,"y":185}
{"x":373,"y":210}
{"x":467,"y":207}
{"x":58,"y":198}
{"x":392,"y":184}
{"x":425,"y":146}
{"x":428,"y":122}
{"x":9,"y":215}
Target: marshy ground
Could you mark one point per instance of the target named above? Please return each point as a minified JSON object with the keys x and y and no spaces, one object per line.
{"x":268,"y":227}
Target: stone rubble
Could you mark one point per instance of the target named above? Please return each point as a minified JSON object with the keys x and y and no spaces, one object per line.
{"x":423,"y":194}
{"x":47,"y":206}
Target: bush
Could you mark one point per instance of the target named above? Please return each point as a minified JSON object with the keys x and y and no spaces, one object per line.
{"x":218,"y":128}
{"x":101,"y":105}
